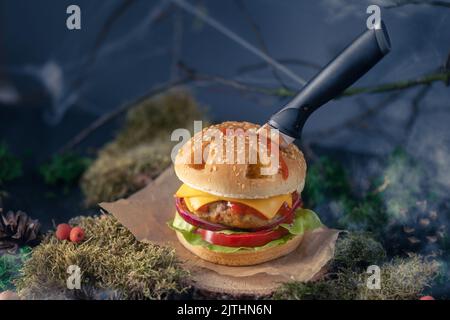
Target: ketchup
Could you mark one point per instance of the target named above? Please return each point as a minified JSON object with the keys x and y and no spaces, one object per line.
{"x":239,"y":208}
{"x":236,"y":208}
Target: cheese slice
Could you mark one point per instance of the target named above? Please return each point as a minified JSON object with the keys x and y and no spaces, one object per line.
{"x":269,"y":207}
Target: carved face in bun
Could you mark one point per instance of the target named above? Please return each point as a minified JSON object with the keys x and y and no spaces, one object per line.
{"x":238,"y":180}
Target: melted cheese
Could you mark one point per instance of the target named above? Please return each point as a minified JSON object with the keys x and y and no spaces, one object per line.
{"x":269,"y":207}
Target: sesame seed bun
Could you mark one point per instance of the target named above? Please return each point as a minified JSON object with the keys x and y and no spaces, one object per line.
{"x":237,"y":180}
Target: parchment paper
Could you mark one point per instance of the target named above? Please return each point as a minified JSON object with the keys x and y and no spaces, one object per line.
{"x":146,"y":213}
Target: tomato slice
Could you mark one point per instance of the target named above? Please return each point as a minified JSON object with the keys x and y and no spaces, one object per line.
{"x":204,"y":208}
{"x":248,"y":239}
{"x":237,"y":208}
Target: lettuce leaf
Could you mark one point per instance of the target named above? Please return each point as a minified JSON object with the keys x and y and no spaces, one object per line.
{"x":305,"y":220}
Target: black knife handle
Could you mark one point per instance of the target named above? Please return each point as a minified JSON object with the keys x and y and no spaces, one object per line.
{"x":341,"y":72}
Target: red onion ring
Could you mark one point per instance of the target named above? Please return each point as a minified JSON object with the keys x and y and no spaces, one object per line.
{"x":196,"y":221}
{"x":191,"y":218}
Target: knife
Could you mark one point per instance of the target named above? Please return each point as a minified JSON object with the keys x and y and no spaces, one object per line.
{"x":340,"y":73}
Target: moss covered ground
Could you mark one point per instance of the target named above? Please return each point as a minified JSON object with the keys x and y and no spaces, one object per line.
{"x":113,"y":265}
{"x":141,"y":149}
{"x":401,"y":278}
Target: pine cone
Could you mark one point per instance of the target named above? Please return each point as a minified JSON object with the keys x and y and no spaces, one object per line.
{"x":17,"y":229}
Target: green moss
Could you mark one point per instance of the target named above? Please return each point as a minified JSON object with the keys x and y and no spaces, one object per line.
{"x":155,"y":119}
{"x":401,"y":278}
{"x":326,"y":179}
{"x":64,"y":169}
{"x":368,"y":213}
{"x":343,"y":286}
{"x":10,"y":165}
{"x":404,"y":179}
{"x":9,"y":267}
{"x":141,"y":150}
{"x":383,"y":210}
{"x":113,"y":265}
{"x":113,"y":177}
{"x":357,"y":250}
{"x":397,"y":189}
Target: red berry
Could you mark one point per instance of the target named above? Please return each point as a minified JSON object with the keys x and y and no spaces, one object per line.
{"x":77,"y":235}
{"x":426,"y":298}
{"x":63,"y":231}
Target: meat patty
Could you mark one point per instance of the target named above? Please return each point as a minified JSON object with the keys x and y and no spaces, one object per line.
{"x":221,"y":213}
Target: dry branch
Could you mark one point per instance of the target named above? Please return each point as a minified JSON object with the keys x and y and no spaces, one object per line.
{"x":107,"y":117}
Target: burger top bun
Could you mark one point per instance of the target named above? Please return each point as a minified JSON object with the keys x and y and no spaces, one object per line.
{"x":238,"y":179}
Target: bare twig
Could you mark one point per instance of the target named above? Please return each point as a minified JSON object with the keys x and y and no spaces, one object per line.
{"x":376,"y":130}
{"x":257,"y":31}
{"x":402,"y":3}
{"x":238,"y":39}
{"x":177,"y":40}
{"x":400,"y":85}
{"x":241,"y":86}
{"x":192,"y":75}
{"x":107,"y":26}
{"x":300,"y":62}
{"x":428,"y":79}
{"x":353,"y":121}
{"x":415,"y":110}
{"x":447,"y":69}
{"x":107,"y":117}
{"x":102,"y":35}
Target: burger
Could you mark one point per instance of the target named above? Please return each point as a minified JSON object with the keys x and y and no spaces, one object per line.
{"x":228,"y":212}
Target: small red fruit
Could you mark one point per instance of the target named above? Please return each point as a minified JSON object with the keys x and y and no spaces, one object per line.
{"x":76,"y":234}
{"x":9,"y":295}
{"x":426,"y":298}
{"x":63,"y":231}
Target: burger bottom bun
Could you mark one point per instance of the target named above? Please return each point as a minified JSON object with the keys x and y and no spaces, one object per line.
{"x":243,"y":257}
